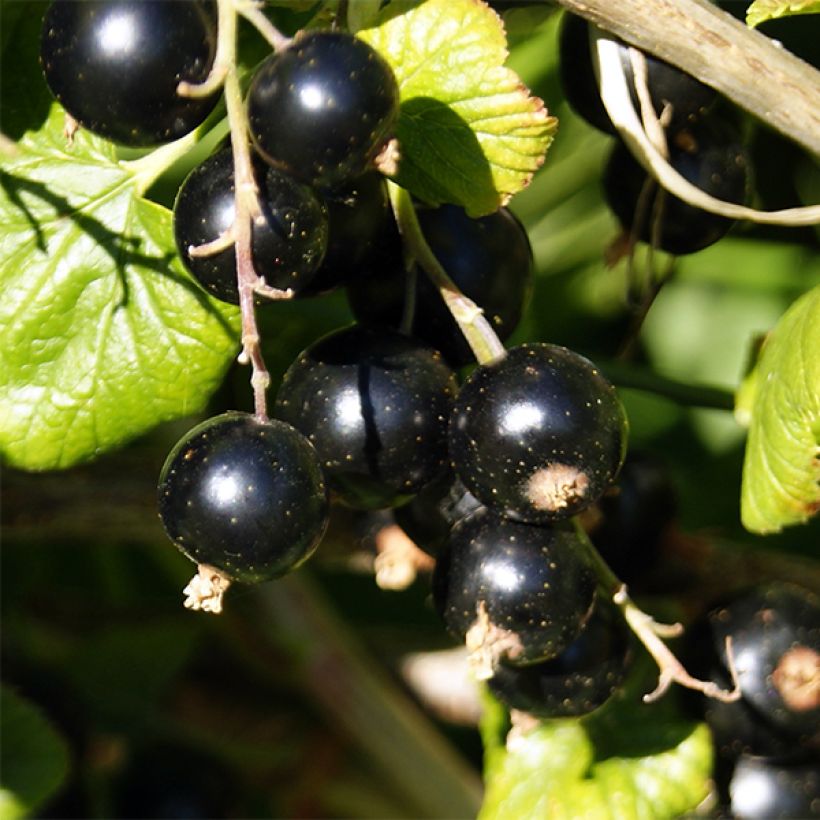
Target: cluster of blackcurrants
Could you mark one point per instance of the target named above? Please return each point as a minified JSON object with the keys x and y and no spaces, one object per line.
{"x":703,"y":145}
{"x":372,"y":413}
{"x":768,"y":742}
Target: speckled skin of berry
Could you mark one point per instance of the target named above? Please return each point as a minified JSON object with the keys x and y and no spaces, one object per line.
{"x":244,"y":496}
{"x":581,"y":679}
{"x":288,"y":244}
{"x":539,"y":434}
{"x":375,"y":405}
{"x":517,"y":593}
{"x":775,"y":631}
{"x":115,"y":67}
{"x":323,"y":108}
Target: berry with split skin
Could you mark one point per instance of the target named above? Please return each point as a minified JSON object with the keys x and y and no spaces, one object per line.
{"x":580,"y":680}
{"x":514,"y":592}
{"x":244,"y":496}
{"x":115,"y":66}
{"x":375,"y":404}
{"x":323,"y":108}
{"x":538,"y":434}
{"x":288,"y":240}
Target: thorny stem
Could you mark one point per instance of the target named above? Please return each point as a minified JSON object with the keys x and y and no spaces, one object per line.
{"x":482,"y":339}
{"x":618,"y":103}
{"x":651,"y":634}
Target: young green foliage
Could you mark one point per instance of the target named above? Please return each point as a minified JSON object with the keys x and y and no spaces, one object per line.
{"x":102,"y":333}
{"x":627,"y":760}
{"x":762,"y":10}
{"x":33,"y":757}
{"x":469,"y":131}
{"x":780,"y":401}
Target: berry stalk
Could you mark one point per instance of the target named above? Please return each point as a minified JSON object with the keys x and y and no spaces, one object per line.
{"x":651,"y":634}
{"x":482,"y":339}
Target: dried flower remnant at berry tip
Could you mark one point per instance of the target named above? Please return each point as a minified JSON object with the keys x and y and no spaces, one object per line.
{"x":797,"y":678}
{"x":556,"y":487}
{"x":488,"y":644}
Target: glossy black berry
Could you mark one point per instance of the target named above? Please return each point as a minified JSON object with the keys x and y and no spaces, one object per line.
{"x":581,"y":679}
{"x":244,"y":496}
{"x":323,"y":108}
{"x":375,"y":405}
{"x":687,"y":99}
{"x":489,"y":259}
{"x":288,"y":242}
{"x":429,"y":516}
{"x":362,"y":235}
{"x":538,"y":434}
{"x":775,"y":634}
{"x":115,"y":66}
{"x":514,"y":592}
{"x":761,"y":789}
{"x":632,"y":516}
{"x":715,"y":163}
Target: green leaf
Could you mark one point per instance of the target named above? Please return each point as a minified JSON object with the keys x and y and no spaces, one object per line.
{"x":762,"y":10}
{"x":469,"y":131}
{"x":103,"y":333}
{"x":33,"y":757}
{"x":628,"y":760}
{"x":781,"y":402}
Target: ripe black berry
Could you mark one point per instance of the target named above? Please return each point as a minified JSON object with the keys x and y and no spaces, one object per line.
{"x":762,"y":790}
{"x":244,"y":496}
{"x":288,"y":242}
{"x":375,"y":405}
{"x":775,"y":632}
{"x":115,"y":66}
{"x":323,"y":108}
{"x":716,"y":164}
{"x":438,"y":507}
{"x":514,"y":592}
{"x":582,"y":678}
{"x":362,"y":235}
{"x":538,"y":434}
{"x":687,"y":98}
{"x":489,"y":259}
{"x":633,"y":516}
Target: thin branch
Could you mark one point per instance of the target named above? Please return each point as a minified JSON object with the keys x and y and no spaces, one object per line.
{"x":708,"y":43}
{"x":618,"y":103}
{"x":478,"y":332}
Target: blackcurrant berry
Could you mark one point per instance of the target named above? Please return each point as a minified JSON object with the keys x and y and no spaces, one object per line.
{"x":538,"y":434}
{"x":323,"y":108}
{"x":489,"y":259}
{"x":515,"y":592}
{"x":115,"y":66}
{"x":429,"y":516}
{"x":716,"y":164}
{"x":631,"y":518}
{"x":775,"y":634}
{"x":362,"y":238}
{"x":761,"y":789}
{"x":685,"y":98}
{"x":375,"y":405}
{"x":244,"y":496}
{"x":288,"y":240}
{"x":582,"y":678}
